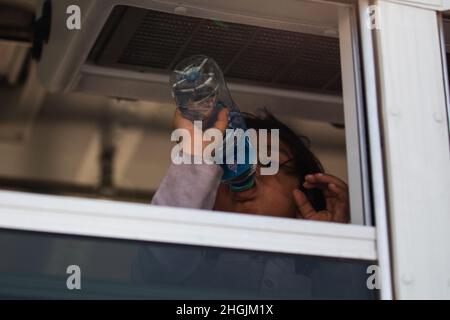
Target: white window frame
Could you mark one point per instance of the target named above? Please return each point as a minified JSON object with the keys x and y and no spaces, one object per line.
{"x":357,"y":161}
{"x":444,"y":64}
{"x":378,"y":190}
{"x":111,"y":219}
{"x":117,"y":220}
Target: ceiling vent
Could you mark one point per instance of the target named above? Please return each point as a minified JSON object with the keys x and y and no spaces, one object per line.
{"x":282,"y":54}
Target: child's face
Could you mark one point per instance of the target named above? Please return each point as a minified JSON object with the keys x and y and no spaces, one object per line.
{"x":271,"y":195}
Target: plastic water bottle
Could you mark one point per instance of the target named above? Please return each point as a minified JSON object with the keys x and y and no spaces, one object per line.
{"x":200,"y":92}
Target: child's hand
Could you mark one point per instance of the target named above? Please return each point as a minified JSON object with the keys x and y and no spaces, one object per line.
{"x":181,"y":122}
{"x":336,"y":197}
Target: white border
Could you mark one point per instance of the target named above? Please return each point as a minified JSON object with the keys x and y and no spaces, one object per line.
{"x":109,"y":219}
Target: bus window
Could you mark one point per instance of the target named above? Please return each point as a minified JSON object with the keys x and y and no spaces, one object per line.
{"x":87,"y":172}
{"x":34,"y":265}
{"x":108,"y":136}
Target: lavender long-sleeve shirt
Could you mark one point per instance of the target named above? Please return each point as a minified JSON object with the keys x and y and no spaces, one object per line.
{"x":189,"y":186}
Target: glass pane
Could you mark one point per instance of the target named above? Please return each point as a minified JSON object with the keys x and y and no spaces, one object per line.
{"x":34,"y":265}
{"x":109,"y":136}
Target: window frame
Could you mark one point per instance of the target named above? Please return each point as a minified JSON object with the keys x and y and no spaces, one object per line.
{"x":117,"y":220}
{"x":357,"y":158}
{"x":378,"y":190}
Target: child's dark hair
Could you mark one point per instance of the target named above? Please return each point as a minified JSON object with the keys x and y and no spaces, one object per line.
{"x":304,"y":161}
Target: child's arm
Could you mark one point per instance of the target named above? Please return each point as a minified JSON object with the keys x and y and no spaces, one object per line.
{"x":189,"y":186}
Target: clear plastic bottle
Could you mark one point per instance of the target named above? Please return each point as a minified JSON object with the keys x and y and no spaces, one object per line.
{"x":200,"y":92}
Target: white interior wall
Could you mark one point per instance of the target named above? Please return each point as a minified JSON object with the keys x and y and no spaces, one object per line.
{"x":65,"y":141}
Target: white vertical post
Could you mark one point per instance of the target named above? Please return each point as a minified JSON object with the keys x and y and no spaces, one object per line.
{"x":375,"y":146}
{"x":351,"y":87}
{"x":417,"y":154}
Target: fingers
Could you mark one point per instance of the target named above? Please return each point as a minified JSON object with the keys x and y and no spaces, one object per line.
{"x":336,"y":196}
{"x":180,"y":122}
{"x":176,"y":117}
{"x":306,"y":210}
{"x":323,"y":178}
{"x":222,"y":120}
{"x":341,"y":193}
{"x":330,"y":190}
{"x":322,"y":216}
{"x":331,"y":185}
